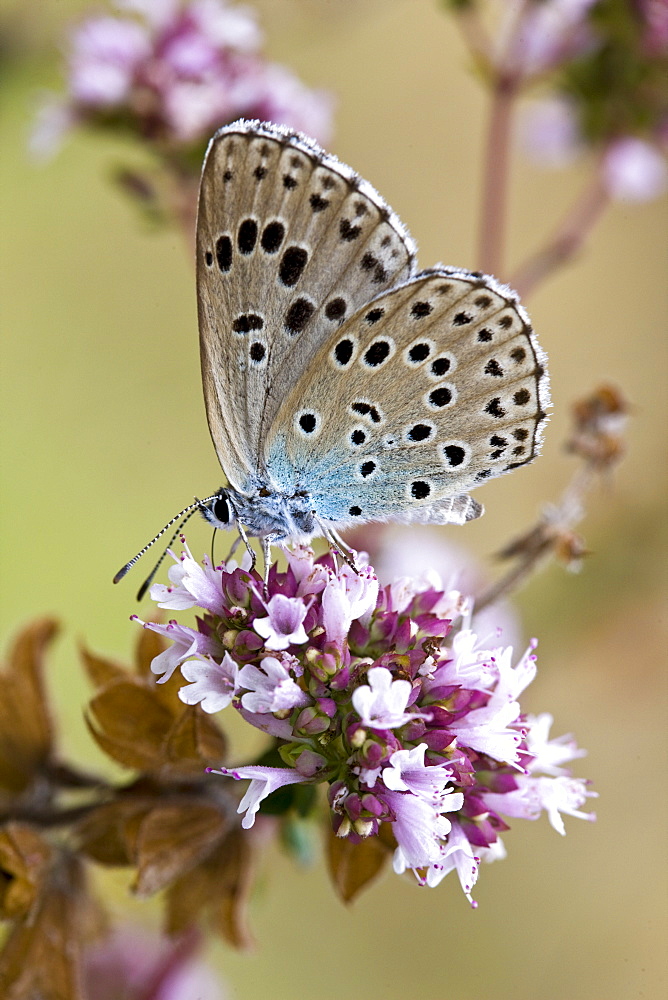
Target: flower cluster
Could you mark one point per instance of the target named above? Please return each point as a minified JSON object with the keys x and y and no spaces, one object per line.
{"x":384,"y":694}
{"x":606,"y":64}
{"x":172,"y":71}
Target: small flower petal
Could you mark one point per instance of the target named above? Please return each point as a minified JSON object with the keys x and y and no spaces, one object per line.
{"x":381,"y":703}
{"x":271,"y":688}
{"x":283,"y":626}
{"x":264,"y":781}
{"x":213,"y":684}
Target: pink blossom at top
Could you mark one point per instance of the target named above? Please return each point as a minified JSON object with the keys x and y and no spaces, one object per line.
{"x":634,"y":170}
{"x":655,"y":16}
{"x":106,"y":54}
{"x":549,"y":33}
{"x":311,"y":578}
{"x":174,"y":71}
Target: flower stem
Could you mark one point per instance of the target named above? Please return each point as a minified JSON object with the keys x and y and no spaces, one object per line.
{"x":567,"y":239}
{"x":495,"y":180}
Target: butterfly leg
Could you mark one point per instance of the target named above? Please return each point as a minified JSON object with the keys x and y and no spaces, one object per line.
{"x":267,"y":541}
{"x":338,"y":546}
{"x":249,"y":550}
{"x":266,"y":555}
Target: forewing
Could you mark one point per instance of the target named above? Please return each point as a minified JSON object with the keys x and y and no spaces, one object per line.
{"x":290,"y":242}
{"x":428,"y":391}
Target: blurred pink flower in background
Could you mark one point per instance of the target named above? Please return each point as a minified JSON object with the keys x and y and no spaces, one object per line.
{"x":132,"y":964}
{"x":550,"y":134}
{"x":439,"y":563}
{"x":655,"y":16}
{"x":634,"y":170}
{"x":536,"y":37}
{"x":173,"y":72}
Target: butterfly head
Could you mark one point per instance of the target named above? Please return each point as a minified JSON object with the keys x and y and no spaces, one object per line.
{"x":220,"y":510}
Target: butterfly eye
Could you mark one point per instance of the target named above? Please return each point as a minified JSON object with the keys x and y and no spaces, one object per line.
{"x":221,"y":510}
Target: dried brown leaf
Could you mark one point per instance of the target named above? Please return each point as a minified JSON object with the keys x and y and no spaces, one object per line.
{"x":173,"y":839}
{"x":129,"y":723}
{"x":194,"y":742}
{"x":26,"y":730}
{"x":41,"y":957}
{"x":353,"y":866}
{"x":101,"y":670}
{"x":220,"y":888}
{"x":231,"y":912}
{"x":108,"y":834}
{"x":24,"y":857}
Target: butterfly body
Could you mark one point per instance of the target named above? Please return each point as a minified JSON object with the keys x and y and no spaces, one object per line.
{"x":264,"y":512}
{"x":341,"y":384}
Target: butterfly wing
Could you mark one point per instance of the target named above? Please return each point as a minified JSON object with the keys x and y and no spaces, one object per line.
{"x":290,"y":242}
{"x":429,"y":390}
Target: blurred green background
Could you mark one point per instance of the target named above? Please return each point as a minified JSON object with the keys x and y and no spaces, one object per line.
{"x":104,"y":438}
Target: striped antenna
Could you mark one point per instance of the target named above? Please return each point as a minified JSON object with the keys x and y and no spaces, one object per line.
{"x":181,"y":517}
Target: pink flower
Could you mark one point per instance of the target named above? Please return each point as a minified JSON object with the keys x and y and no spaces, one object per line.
{"x":551,"y":32}
{"x":347,"y":597}
{"x":186,"y":643}
{"x":284,"y":625}
{"x":311,"y":578}
{"x":548,"y":756}
{"x":655,"y":16}
{"x":407,"y":720}
{"x":407,"y":772}
{"x":551,"y":133}
{"x":214,"y":684}
{"x":490,"y":729}
{"x":270,"y":688}
{"x":106,"y":52}
{"x":381,"y":703}
{"x":634,"y":170}
{"x":192,"y":584}
{"x":133,"y":964}
{"x":264,"y":781}
{"x":420,"y":830}
{"x":175,"y":70}
{"x":459,"y":857}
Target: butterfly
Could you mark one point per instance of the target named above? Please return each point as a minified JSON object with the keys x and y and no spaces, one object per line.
{"x":342,"y":384}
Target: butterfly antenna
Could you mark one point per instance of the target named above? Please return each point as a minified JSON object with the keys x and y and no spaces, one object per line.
{"x":181,"y":517}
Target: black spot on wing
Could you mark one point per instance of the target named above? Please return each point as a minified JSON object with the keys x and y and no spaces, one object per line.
{"x":292,"y":265}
